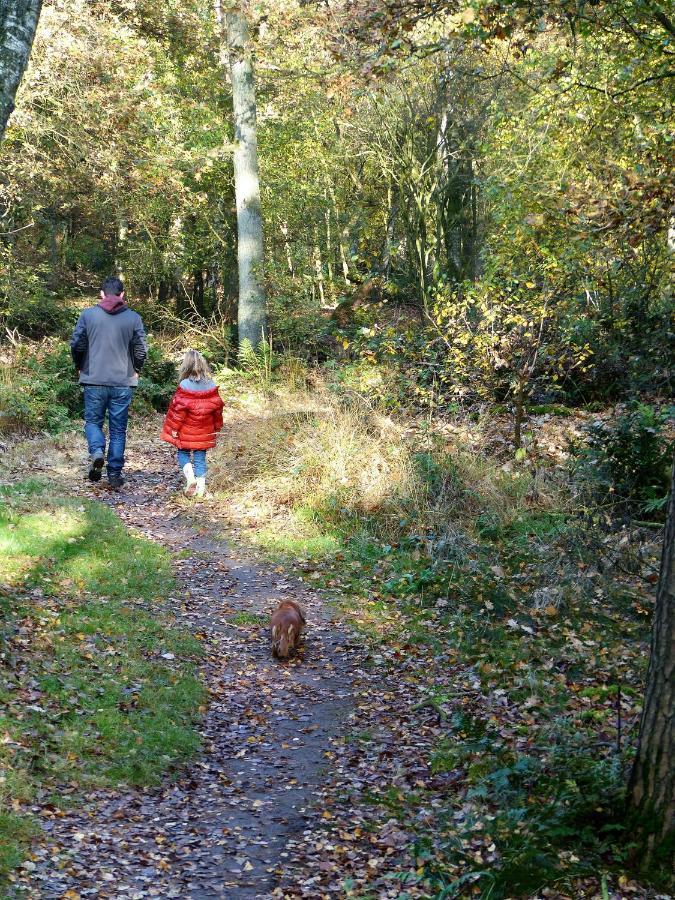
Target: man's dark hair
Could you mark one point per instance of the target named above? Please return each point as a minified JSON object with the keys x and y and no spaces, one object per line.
{"x":112,"y":286}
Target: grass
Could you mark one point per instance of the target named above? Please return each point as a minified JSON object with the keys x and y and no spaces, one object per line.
{"x":306,"y":472}
{"x":247,"y":618}
{"x":97,"y":688}
{"x":432,"y":540}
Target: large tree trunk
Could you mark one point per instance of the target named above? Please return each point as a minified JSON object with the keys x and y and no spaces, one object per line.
{"x":18,"y":22}
{"x":252,"y":312}
{"x":652,"y":784}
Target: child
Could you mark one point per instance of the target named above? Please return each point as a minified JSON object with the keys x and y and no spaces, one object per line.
{"x":194,"y":418}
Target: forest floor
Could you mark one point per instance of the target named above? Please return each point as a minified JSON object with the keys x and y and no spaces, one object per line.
{"x":242,"y":820}
{"x":330,"y":775}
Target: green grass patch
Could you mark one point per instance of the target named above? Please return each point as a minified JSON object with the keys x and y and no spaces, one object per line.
{"x":96,"y":686}
{"x":246,"y":618}
{"x":285,"y":545}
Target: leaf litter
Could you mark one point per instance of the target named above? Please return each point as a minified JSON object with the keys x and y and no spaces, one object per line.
{"x":316,"y":778}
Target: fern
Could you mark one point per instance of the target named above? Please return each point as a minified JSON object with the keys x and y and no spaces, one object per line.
{"x":257,"y":363}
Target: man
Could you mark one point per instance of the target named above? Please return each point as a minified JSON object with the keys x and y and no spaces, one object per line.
{"x":109,"y":350}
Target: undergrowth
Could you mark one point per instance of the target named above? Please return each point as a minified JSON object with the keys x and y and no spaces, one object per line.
{"x":442,"y":550}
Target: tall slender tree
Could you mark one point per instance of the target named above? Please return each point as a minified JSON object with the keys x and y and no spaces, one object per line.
{"x":18,"y":23}
{"x":652,"y":785}
{"x":252,"y":309}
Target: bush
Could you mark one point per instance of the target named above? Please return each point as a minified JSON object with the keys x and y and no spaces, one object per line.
{"x":158,"y":381}
{"x":544,"y":811}
{"x":26,"y":306}
{"x":38,"y":391}
{"x":628,"y":460}
{"x":54,"y":370}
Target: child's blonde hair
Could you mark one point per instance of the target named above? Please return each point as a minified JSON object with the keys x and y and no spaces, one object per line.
{"x":194,"y":366}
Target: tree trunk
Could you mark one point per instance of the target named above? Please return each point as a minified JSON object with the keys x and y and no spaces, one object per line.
{"x":198,"y":291}
{"x":392,"y":212}
{"x":53,"y":278}
{"x":329,"y":242}
{"x":252,"y":312}
{"x":519,"y":412}
{"x":652,"y":784}
{"x":283,"y":226}
{"x":18,"y":23}
{"x":120,"y":245}
{"x":318,"y":268}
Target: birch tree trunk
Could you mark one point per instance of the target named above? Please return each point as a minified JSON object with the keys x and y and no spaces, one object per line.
{"x":652,"y":784}
{"x":252,"y":310}
{"x":18,"y":23}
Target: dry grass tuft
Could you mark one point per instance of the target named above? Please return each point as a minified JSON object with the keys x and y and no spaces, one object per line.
{"x":301,"y":449}
{"x":293,"y":458}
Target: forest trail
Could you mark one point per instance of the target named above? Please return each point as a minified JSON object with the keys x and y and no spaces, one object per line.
{"x":222,"y":827}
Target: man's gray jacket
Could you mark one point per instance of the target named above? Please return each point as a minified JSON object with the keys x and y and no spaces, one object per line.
{"x":109,"y":348}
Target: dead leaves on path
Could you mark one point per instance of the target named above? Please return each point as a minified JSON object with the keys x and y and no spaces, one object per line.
{"x":320,"y":778}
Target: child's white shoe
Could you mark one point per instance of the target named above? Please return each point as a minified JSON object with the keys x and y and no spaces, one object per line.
{"x":200,"y":489}
{"x":191,"y":481}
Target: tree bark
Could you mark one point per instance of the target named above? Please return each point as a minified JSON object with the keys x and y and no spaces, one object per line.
{"x":120,"y":245}
{"x":519,"y":412}
{"x":283,"y":226}
{"x":392,"y":212}
{"x":252,"y":311}
{"x":652,"y":783}
{"x":318,"y":268}
{"x":18,"y":23}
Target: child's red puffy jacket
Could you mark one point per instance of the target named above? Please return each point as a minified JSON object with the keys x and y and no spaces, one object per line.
{"x":193,"y":419}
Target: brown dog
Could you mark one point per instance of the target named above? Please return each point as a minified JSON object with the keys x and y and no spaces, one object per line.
{"x":287,"y":623}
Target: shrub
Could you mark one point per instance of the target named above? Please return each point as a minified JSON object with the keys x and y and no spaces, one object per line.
{"x":544,"y":812}
{"x":26,"y":306}
{"x":38,"y":390}
{"x":628,"y":460}
{"x":54,"y":369}
{"x":158,"y":381}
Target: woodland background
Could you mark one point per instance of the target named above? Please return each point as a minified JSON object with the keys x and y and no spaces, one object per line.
{"x":468,"y":264}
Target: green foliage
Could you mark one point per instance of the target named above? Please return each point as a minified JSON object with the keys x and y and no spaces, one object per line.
{"x":27,"y":307}
{"x":626,"y":462}
{"x":574,"y":822}
{"x":39,"y":391}
{"x":257,"y":364}
{"x":536,"y":272}
{"x":158,"y":380}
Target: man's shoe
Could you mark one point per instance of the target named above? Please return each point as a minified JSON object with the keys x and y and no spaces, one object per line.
{"x":115,"y":481}
{"x":95,"y":466}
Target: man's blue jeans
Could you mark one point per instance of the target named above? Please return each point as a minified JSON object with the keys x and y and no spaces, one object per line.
{"x":99,"y":399}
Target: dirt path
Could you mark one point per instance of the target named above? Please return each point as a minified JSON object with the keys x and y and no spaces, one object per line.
{"x":222,"y":828}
